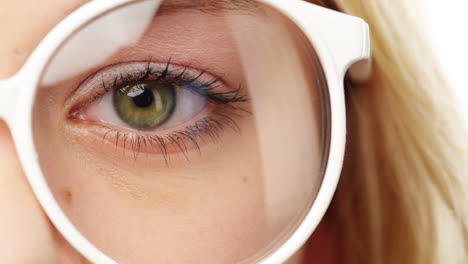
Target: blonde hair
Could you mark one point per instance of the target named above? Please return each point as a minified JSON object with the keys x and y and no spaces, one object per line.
{"x":402,"y":197}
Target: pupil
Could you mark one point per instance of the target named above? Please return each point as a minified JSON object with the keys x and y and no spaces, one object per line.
{"x":144,"y":99}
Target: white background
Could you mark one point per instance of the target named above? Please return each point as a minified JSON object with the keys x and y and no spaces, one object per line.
{"x":447,"y":24}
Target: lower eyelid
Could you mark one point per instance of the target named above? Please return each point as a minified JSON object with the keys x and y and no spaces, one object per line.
{"x":177,"y":142}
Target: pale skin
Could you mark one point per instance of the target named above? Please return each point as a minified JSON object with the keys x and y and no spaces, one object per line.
{"x":24,"y":226}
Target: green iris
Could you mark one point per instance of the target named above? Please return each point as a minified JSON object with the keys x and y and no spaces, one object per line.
{"x":145,"y":105}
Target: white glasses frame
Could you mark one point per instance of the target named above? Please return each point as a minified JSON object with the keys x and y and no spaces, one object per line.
{"x":342,"y":45}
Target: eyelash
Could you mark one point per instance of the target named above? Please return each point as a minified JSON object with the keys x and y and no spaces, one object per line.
{"x":166,"y":75}
{"x":212,"y":126}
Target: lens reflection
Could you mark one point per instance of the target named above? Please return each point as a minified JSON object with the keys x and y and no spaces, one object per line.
{"x":236,"y":162}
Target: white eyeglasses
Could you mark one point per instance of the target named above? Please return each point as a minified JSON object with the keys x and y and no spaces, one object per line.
{"x":185,"y":131}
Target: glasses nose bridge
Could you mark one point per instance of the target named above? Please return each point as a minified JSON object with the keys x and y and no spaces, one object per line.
{"x":8,"y":92}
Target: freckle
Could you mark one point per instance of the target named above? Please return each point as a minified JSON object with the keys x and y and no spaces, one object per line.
{"x":244,"y":180}
{"x":68,"y":196}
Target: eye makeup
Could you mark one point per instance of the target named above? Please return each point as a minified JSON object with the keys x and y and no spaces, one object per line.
{"x":223,"y":109}
{"x":196,"y":80}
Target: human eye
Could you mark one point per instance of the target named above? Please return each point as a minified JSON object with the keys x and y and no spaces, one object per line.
{"x":158,"y":108}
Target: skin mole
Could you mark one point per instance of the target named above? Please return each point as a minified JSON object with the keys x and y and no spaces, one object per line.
{"x":67,"y":196}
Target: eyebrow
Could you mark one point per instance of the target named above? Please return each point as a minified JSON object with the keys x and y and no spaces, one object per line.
{"x":210,"y":5}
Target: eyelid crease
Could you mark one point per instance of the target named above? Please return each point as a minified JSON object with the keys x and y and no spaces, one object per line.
{"x":116,"y":69}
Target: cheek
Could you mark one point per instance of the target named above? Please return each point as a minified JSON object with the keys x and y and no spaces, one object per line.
{"x":185,"y":210}
{"x":23,"y":226}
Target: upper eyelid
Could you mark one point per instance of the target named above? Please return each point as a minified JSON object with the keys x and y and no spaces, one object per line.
{"x":105,"y":76}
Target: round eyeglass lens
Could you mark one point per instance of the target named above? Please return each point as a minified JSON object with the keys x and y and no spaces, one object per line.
{"x":184,"y":131}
